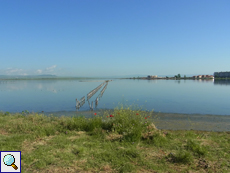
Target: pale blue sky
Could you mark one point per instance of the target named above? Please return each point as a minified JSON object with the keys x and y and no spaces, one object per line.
{"x":114,"y":37}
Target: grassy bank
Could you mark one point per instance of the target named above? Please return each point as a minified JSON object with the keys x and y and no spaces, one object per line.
{"x":122,"y":141}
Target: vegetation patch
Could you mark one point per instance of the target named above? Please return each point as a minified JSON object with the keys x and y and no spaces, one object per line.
{"x":125,"y":140}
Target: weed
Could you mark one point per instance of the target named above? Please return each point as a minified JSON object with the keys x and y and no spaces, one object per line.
{"x":196,"y":148}
{"x":181,"y":156}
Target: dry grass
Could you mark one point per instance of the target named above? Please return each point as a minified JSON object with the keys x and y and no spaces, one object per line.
{"x":113,"y":136}
{"x":29,"y":146}
{"x":3,"y":132}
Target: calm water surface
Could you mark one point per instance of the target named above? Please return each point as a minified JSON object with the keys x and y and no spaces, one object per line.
{"x":167,"y":96}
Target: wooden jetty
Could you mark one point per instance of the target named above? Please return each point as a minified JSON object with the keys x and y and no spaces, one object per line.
{"x":80,"y":103}
{"x":90,"y":94}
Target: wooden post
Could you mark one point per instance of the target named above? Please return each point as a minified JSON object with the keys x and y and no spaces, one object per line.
{"x":77,"y":104}
{"x":96,"y":102}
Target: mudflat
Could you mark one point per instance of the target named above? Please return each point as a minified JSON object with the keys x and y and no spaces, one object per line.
{"x":175,"y":121}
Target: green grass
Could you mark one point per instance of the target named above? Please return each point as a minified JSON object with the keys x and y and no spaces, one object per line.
{"x":127,"y":141}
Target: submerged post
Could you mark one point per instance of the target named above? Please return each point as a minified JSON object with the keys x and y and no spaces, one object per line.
{"x":96,"y":102}
{"x":77,"y":104}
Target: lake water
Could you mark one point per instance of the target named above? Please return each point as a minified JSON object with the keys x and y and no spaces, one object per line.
{"x":167,"y":96}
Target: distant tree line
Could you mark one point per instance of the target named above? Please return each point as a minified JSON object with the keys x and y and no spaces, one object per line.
{"x":179,"y":76}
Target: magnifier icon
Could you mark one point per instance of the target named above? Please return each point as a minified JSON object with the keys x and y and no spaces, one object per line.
{"x":9,"y":160}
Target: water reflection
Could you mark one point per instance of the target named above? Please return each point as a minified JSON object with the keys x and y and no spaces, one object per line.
{"x":16,"y":85}
{"x":204,"y":80}
{"x":152,"y":81}
{"x":177,"y":81}
{"x":221,"y":82}
{"x":196,"y":80}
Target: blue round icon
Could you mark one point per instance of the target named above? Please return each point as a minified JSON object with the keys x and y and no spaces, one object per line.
{"x":8,"y":159}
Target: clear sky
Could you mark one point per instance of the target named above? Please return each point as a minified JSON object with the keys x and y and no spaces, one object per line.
{"x":114,"y":37}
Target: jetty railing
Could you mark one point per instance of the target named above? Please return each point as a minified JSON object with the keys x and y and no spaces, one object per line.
{"x":90,"y":94}
{"x":100,"y":94}
{"x":80,"y":103}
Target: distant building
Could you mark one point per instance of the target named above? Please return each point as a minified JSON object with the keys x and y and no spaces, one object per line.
{"x":203,"y":76}
{"x":149,"y":76}
{"x":222,"y":74}
{"x":209,"y":76}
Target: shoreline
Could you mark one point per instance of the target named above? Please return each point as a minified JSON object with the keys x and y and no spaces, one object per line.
{"x":166,"y":121}
{"x":177,"y":121}
{"x":173,"y":121}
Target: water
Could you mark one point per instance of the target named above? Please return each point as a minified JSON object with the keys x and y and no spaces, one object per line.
{"x":167,"y":96}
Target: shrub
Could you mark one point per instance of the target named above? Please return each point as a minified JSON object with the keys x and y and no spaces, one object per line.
{"x":7,"y":113}
{"x":196,"y":148}
{"x":180,"y":157}
{"x":128,"y":123}
{"x":155,"y":138}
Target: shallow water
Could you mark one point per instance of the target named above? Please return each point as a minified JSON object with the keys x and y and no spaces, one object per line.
{"x":167,"y":96}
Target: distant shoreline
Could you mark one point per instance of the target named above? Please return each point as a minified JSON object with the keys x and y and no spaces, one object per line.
{"x":83,"y":78}
{"x":174,"y":78}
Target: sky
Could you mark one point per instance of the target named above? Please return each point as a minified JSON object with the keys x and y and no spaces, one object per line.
{"x":94,"y":38}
